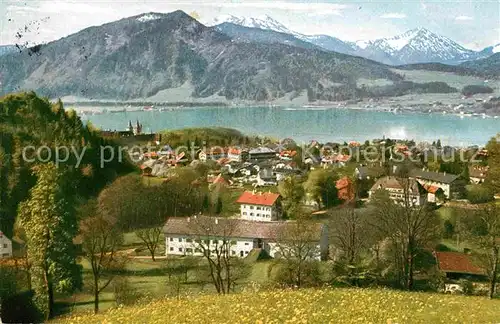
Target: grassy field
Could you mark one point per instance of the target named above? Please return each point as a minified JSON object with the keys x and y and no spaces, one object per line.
{"x":149,"y":280}
{"x":307,"y":306}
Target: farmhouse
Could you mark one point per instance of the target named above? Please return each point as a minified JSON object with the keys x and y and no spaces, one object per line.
{"x":457,"y":265}
{"x":451,"y":184}
{"x":260,"y":206}
{"x":396,"y":189}
{"x":5,"y":246}
{"x":202,"y":234}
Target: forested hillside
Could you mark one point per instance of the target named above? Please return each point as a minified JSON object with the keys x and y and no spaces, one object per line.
{"x":32,"y":130}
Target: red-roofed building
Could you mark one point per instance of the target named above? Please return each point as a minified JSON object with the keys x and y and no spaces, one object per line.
{"x":260,"y":206}
{"x":434,"y":194}
{"x":345,"y":189}
{"x":237,"y":154}
{"x":456,"y":265}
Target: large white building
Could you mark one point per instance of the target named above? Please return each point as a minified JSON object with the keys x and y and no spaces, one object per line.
{"x":258,"y":227}
{"x":260,"y":206}
{"x":5,"y":246}
{"x":198,"y":234}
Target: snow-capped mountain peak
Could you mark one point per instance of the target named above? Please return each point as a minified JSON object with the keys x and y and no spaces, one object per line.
{"x":263,"y":22}
{"x":496,"y":48}
{"x":415,"y":46}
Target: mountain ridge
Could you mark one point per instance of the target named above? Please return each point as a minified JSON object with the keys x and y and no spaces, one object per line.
{"x":417,"y":45}
{"x":136,"y":57}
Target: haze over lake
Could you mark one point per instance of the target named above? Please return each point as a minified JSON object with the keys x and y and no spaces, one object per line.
{"x":335,"y":125}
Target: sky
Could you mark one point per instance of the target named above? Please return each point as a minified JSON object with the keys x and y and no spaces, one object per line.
{"x":474,"y":24}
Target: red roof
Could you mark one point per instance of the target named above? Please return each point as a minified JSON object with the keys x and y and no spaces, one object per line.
{"x":457,"y":262}
{"x":431,"y":189}
{"x":259,"y":198}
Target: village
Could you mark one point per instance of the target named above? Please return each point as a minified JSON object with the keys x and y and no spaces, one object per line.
{"x":233,"y":211}
{"x":253,"y":174}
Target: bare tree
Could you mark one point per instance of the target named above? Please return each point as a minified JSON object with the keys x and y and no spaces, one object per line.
{"x":214,"y":241}
{"x":100,"y":242}
{"x":483,"y":228}
{"x":348,"y":233}
{"x":409,"y":226}
{"x":298,"y":245}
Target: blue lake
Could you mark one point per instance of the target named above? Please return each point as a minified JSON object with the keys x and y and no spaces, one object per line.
{"x":336,"y":125}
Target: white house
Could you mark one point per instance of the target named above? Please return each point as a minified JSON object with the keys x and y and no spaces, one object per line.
{"x":5,"y":246}
{"x":202,"y":234}
{"x":260,"y":206}
{"x":414,"y":191}
{"x":451,"y":184}
{"x":237,"y":154}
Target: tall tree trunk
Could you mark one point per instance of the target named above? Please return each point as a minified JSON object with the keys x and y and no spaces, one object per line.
{"x":96,"y":294}
{"x":50,"y":292}
{"x":494,"y":272}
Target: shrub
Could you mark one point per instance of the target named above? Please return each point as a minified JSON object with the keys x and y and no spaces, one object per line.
{"x":124,"y":293}
{"x":478,"y":194}
{"x":20,"y":308}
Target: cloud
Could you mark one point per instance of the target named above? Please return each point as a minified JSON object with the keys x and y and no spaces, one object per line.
{"x":464,"y":18}
{"x":393,"y":15}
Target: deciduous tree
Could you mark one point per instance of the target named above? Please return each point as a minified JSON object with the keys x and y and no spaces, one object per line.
{"x":483,"y":228}
{"x":49,"y":222}
{"x":101,"y":239}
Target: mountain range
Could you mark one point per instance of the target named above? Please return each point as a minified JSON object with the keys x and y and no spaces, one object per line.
{"x":149,"y":55}
{"x":140,"y":56}
{"x":414,"y":46}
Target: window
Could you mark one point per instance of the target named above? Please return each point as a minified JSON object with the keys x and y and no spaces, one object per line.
{"x":246,"y":243}
{"x":258,"y":208}
{"x":251,"y":214}
{"x":244,"y":213}
{"x":246,"y":252}
{"x":189,"y":240}
{"x":171,"y":249}
{"x":5,"y":246}
{"x":258,"y":215}
{"x":171,"y":239}
{"x":180,"y":239}
{"x":251,"y":207}
{"x":180,"y":249}
{"x":233,"y":252}
{"x":214,"y":241}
